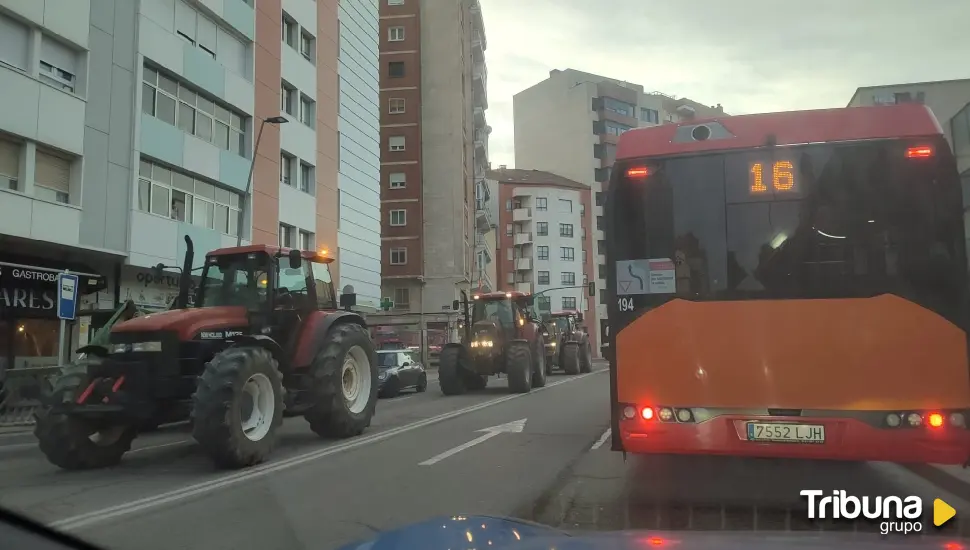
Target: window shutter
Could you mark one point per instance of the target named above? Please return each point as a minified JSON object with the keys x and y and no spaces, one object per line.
{"x":9,"y":159}
{"x":53,"y":172}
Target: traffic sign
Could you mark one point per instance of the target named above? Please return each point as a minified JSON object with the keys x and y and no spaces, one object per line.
{"x":66,"y":296}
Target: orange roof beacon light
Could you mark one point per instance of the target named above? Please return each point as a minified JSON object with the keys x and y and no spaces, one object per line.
{"x":920,"y":152}
{"x":637,"y":172}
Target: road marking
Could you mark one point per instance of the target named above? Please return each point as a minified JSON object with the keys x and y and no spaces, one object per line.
{"x":160,"y":446}
{"x":96,"y":517}
{"x":510,"y":427}
{"x":599,"y":442}
{"x":17,"y":446}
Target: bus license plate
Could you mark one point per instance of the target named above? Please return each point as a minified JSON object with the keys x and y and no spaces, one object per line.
{"x":786,"y":433}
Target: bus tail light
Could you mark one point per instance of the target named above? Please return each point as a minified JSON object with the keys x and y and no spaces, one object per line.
{"x":637,"y":172}
{"x":646,"y":413}
{"x":920,"y":152}
{"x":935,"y":420}
{"x":926,"y":419}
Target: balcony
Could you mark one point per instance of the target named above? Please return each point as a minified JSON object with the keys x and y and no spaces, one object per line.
{"x":522,"y":239}
{"x":478,"y":47}
{"x":480,"y":85}
{"x":479,"y":117}
{"x":481,"y":143}
{"x":523,"y":264}
{"x":483,"y":281}
{"x":478,"y":22}
{"x":524,"y":287}
{"x":483,"y":218}
{"x":522,"y":215}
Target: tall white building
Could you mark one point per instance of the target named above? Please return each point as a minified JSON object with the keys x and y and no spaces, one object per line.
{"x":569,"y":124}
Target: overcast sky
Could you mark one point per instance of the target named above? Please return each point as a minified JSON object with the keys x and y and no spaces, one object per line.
{"x":749,"y":55}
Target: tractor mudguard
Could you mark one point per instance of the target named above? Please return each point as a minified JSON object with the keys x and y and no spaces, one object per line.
{"x":263,"y":341}
{"x":314,"y":334}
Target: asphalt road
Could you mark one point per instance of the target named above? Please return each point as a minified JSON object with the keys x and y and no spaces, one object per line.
{"x":428,"y":455}
{"x":316,"y":493}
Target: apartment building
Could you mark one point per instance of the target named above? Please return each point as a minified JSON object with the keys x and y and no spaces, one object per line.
{"x":434,"y":143}
{"x":545,"y":239}
{"x":126,"y":126}
{"x":569,"y":125}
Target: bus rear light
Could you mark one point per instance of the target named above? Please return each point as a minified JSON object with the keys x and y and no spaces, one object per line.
{"x":637,"y":172}
{"x":957,"y":419}
{"x":666,"y":414}
{"x":684,"y":415}
{"x":914,"y":419}
{"x":629,"y":412}
{"x":921,"y":152}
{"x":893,"y":420}
{"x":646,"y":413}
{"x":935,"y":420}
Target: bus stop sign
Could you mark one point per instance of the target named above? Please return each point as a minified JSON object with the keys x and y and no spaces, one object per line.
{"x":66,"y":296}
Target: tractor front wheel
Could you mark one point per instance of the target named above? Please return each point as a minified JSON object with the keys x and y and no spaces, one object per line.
{"x":237,"y":408}
{"x":344,"y":383}
{"x":450,"y":377}
{"x":518,"y":366}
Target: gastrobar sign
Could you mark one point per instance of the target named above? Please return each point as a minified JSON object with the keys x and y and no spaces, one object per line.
{"x":19,"y":289}
{"x":29,"y":274}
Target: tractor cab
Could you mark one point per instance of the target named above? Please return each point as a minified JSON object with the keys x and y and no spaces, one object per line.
{"x":278,"y":287}
{"x":500,"y":315}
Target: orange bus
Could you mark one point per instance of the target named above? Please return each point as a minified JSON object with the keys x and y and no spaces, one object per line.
{"x":790,"y":285}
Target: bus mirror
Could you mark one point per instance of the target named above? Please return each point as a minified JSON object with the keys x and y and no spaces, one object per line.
{"x":455,"y":305}
{"x":296,"y":259}
{"x":592,"y":288}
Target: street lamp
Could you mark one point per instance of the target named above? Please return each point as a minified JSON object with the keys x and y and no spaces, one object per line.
{"x":243,"y":202}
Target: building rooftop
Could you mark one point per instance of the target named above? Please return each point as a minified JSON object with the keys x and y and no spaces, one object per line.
{"x":536,"y":178}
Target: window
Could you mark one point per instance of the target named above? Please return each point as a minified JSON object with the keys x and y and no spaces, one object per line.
{"x":395,"y":143}
{"x":543,"y":278}
{"x":567,"y":253}
{"x":602,"y":271}
{"x":171,"y":102}
{"x":542,"y":203}
{"x":289,"y":30}
{"x":307,"y":45}
{"x":287,"y":95}
{"x":395,"y":2}
{"x":508,"y":230}
{"x":181,"y":197}
{"x":601,"y":247}
{"x":542,"y":229}
{"x":58,"y":64}
{"x":306,"y":178}
{"x":306,"y":240}
{"x":567,"y":278}
{"x":565,"y":206}
{"x":568,"y":302}
{"x":395,"y":69}
{"x":649,"y":115}
{"x":14,"y":42}
{"x":508,"y":205}
{"x":9,"y":161}
{"x":307,"y":111}
{"x":600,"y":223}
{"x":402,"y":298}
{"x":399,"y":218}
{"x":286,"y":169}
{"x":287,"y":234}
{"x":509,"y":254}
{"x":395,"y":34}
{"x":395,"y":105}
{"x":542,"y":252}
{"x":565,"y":230}
{"x":52,"y":177}
{"x":198,"y":30}
{"x":399,"y":256}
{"x":600,"y":198}
{"x":584,"y":255}
{"x":397,"y":180}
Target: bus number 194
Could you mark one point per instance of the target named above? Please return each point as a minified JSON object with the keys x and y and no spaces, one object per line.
{"x":625,"y":304}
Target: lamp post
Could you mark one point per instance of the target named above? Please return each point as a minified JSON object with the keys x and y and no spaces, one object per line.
{"x":244,"y":200}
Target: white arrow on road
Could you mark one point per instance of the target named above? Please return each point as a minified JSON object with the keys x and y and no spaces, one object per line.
{"x":511,"y":427}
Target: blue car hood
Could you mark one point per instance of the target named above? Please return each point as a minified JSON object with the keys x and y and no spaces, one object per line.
{"x":495,"y":533}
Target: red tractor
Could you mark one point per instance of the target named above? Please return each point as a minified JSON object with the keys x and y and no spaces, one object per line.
{"x":501,"y":335}
{"x":265,"y":339}
{"x":575,"y":352}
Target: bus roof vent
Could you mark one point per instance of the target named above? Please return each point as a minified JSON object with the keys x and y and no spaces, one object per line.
{"x":701,"y":132}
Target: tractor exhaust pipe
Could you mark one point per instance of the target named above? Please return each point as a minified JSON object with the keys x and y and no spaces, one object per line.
{"x":185,"y":280}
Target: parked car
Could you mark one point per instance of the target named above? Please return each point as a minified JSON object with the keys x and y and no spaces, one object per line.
{"x":400,"y":369}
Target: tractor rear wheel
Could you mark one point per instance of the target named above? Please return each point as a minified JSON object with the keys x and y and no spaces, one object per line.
{"x":539,"y":369}
{"x":585,"y":358}
{"x":450,"y":376}
{"x":518,"y":366}
{"x":344,"y":383}
{"x":75,"y":443}
{"x":237,"y":408}
{"x":570,"y":358}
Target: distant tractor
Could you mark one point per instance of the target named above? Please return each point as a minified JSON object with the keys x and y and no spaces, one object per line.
{"x":502,"y":335}
{"x":575,"y":355}
{"x":264,"y":340}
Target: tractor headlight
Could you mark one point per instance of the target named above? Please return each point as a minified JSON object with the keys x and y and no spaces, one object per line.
{"x":142,"y":347}
{"x":482,"y":344}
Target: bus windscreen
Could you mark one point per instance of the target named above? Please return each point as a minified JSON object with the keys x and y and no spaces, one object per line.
{"x":850,"y":220}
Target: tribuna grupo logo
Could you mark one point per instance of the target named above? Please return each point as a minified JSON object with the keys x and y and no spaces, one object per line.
{"x":894,"y":514}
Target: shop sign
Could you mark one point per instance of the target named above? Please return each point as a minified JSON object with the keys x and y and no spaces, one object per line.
{"x":149,"y":290}
{"x":27,"y":290}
